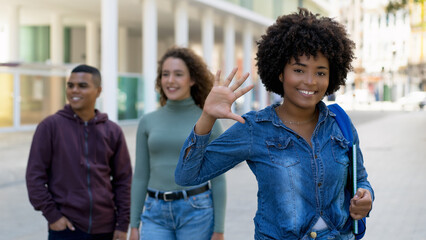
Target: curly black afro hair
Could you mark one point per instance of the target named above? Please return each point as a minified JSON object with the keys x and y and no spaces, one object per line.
{"x":304,"y":33}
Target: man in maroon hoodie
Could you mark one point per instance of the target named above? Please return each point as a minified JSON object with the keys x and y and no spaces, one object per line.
{"x":79,"y":172}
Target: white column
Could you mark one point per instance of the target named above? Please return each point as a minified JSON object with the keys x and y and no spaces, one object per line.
{"x":263,"y":95}
{"x":207,"y":37}
{"x":229,"y":48}
{"x":247,"y":63}
{"x":109,"y":57}
{"x":229,"y":42}
{"x":56,"y":40}
{"x":123,"y":49}
{"x":92,"y":43}
{"x":13,"y":33}
{"x":149,"y":53}
{"x":181,"y":23}
{"x":56,"y":58}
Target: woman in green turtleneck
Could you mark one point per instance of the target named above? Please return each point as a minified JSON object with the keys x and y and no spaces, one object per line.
{"x":167,"y":210}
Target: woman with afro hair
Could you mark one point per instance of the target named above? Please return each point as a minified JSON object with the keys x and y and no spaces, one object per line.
{"x":295,"y":148}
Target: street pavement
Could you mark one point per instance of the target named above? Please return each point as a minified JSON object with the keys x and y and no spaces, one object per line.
{"x":394,"y":148}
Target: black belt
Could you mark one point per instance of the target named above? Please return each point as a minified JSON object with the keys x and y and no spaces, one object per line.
{"x":170,"y":196}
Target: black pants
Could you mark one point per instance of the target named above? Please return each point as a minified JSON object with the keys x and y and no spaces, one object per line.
{"x":78,"y":235}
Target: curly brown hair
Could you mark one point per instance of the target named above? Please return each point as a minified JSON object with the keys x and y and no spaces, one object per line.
{"x":198,"y":72}
{"x":304,"y":33}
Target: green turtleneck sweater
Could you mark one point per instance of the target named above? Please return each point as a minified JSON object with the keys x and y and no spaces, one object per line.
{"x":159,"y":139}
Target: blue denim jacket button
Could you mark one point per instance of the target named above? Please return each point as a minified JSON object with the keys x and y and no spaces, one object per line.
{"x":313,"y":235}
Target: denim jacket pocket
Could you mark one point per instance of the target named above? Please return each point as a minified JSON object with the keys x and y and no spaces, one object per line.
{"x":340,"y":149}
{"x":282,"y":152}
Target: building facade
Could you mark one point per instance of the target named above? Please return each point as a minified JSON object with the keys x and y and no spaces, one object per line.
{"x":42,"y":40}
{"x":390,"y":47}
{"x":416,"y":68}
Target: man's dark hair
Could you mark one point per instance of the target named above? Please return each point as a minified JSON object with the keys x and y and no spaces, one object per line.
{"x":304,"y":33}
{"x":96,"y":75}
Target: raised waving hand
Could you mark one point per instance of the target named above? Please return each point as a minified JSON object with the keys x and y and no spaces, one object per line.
{"x":219,"y":101}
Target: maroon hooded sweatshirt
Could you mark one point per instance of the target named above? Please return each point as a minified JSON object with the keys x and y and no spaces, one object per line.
{"x":80,"y":170}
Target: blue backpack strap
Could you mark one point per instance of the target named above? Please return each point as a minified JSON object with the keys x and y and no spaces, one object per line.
{"x":345,"y":126}
{"x":343,"y":121}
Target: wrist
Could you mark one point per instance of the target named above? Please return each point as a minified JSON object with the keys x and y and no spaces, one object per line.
{"x":204,"y":124}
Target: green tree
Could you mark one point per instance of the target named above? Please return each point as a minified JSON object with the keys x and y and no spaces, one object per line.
{"x":394,"y":6}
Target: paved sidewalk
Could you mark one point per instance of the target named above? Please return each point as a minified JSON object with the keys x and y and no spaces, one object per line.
{"x":395,"y":156}
{"x":394,"y":148}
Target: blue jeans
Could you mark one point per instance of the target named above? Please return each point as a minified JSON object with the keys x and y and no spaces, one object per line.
{"x":189,"y":218}
{"x":77,"y":234}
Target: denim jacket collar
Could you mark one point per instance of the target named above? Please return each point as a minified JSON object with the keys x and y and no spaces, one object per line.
{"x":269,"y":114}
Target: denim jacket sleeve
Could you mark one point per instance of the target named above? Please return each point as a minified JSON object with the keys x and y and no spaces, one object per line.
{"x":200,"y":161}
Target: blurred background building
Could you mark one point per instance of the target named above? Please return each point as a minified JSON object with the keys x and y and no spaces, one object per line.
{"x":42,"y":40}
{"x":390,"y":39}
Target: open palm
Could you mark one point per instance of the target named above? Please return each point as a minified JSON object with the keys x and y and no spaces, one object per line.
{"x":223,"y":95}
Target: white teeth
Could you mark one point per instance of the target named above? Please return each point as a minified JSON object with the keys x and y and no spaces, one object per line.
{"x":306,"y":92}
{"x":75,"y":98}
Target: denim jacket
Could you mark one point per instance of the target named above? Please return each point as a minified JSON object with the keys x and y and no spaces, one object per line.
{"x":297,"y":183}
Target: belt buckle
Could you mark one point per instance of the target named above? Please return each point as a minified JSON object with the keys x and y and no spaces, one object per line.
{"x":165,"y":194}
